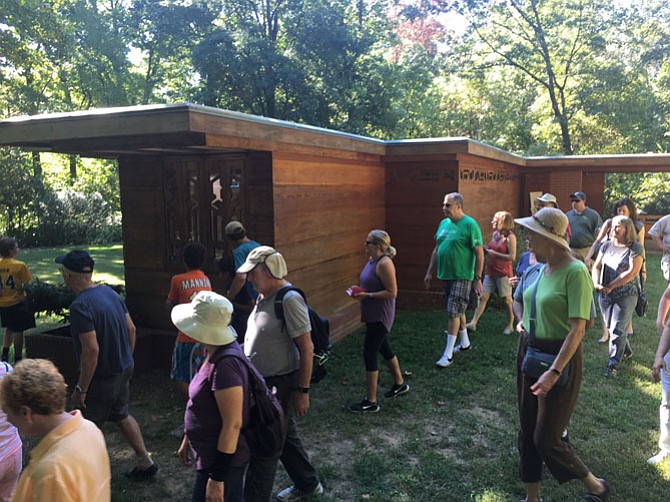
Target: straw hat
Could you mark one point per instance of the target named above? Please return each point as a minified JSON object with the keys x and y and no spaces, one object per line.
{"x":206,"y":319}
{"x":548,"y":222}
{"x":272,"y":258}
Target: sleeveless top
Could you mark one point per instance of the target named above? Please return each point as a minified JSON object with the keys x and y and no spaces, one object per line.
{"x":375,"y":309}
{"x":497,"y":267}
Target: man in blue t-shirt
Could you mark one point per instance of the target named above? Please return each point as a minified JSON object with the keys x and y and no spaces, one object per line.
{"x":242,"y":246}
{"x":104,"y":338}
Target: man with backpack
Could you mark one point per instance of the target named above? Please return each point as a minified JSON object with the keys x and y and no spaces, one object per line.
{"x":282,"y":351}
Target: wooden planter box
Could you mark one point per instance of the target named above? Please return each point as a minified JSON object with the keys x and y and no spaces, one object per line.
{"x":55,"y":345}
{"x":153,"y":351}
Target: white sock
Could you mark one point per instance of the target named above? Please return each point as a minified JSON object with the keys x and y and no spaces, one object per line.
{"x":449,"y":351}
{"x":465,"y":339}
{"x":143,"y":461}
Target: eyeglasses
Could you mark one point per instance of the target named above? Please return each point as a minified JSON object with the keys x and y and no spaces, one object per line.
{"x":448,"y":204}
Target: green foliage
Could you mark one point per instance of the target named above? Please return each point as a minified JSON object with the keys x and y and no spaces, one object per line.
{"x":650,"y":191}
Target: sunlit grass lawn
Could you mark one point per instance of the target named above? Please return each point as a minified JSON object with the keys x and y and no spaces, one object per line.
{"x":108,"y":262}
{"x":451,"y":438}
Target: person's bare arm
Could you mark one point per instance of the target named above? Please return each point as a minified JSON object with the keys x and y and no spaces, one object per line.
{"x":306,"y":348}
{"x":549,"y":378}
{"x":431,"y":267}
{"x":236,"y":285}
{"x":88,"y":363}
{"x":132,"y":332}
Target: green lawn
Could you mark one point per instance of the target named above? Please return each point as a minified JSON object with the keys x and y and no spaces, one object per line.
{"x":451,"y":438}
{"x":108,"y":262}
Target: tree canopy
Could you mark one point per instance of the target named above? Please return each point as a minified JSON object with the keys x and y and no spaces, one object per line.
{"x":535,"y":77}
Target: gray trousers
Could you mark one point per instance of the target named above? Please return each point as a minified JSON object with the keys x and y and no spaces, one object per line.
{"x":261,"y":472}
{"x":617,"y":315}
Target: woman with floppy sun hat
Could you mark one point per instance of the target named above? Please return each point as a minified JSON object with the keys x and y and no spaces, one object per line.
{"x":560,"y":299}
{"x":218,"y":405}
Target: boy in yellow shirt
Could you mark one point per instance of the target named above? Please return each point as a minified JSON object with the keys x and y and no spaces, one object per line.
{"x":15,"y":313}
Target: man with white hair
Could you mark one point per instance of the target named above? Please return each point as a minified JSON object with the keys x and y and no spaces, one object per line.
{"x":282,"y":351}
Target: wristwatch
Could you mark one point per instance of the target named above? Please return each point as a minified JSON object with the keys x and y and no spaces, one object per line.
{"x":79,"y":390}
{"x":478,"y":278}
{"x":303,"y":390}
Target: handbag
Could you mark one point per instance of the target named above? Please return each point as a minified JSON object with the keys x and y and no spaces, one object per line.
{"x":535,"y":362}
{"x":642,"y":303}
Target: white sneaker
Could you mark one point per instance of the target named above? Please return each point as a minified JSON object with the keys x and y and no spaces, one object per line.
{"x":659,"y":457}
{"x":460,"y":348}
{"x":292,"y":493}
{"x":444,"y":361}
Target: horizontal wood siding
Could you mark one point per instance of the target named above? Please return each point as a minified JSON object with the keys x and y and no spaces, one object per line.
{"x":415,"y":189}
{"x":324,"y":208}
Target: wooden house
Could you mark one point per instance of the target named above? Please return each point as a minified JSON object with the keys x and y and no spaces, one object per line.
{"x":186,"y":170}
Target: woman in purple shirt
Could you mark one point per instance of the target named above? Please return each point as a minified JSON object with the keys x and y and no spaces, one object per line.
{"x":218,"y":404}
{"x":377,"y":294}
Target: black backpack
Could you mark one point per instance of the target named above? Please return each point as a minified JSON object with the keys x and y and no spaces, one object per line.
{"x":266,"y":429}
{"x":320,"y":332}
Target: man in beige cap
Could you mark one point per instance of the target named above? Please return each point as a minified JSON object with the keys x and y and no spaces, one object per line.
{"x":282,"y":351}
{"x":242,"y":246}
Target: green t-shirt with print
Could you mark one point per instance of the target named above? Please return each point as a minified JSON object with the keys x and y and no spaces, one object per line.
{"x":563,"y":295}
{"x":455,"y":248}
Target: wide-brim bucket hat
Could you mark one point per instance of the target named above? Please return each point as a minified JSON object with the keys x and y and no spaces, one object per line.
{"x":548,"y":222}
{"x":206,"y":319}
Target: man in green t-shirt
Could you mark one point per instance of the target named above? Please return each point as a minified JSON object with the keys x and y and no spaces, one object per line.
{"x":459,"y":258}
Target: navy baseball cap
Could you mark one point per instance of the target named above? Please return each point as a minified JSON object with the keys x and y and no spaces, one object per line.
{"x":578,"y":196}
{"x":77,"y":261}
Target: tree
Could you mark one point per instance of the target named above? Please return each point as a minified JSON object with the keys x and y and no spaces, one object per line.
{"x":547,"y":40}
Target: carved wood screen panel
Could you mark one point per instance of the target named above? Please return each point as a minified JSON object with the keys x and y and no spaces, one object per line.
{"x":201,"y":196}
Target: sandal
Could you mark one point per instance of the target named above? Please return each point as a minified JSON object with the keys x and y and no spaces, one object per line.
{"x":599,"y":497}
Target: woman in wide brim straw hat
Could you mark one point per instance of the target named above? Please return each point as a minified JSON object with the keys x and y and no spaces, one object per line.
{"x":562,"y":307}
{"x":218,"y":405}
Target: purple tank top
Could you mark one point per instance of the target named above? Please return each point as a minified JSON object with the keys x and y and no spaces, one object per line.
{"x":373,"y":309}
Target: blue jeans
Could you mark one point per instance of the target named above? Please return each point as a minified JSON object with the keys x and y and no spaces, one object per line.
{"x":617,"y":315}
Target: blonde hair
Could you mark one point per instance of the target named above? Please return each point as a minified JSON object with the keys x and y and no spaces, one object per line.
{"x":506,"y":220}
{"x":383,"y":240}
{"x":37,"y":384}
{"x":630,"y":234}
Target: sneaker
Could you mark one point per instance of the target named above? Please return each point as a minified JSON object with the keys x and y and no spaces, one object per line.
{"x":508,"y":331}
{"x":364,"y":406}
{"x":142,"y":474}
{"x":471,"y":327}
{"x":611,"y":372}
{"x":292,"y":493}
{"x":444,"y":361}
{"x":397,"y":390}
{"x":460,"y":348}
{"x":659,"y":457}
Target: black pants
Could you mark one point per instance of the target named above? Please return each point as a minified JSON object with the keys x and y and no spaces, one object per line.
{"x":543,"y":420}
{"x":376,"y":341}
{"x":261,"y":472}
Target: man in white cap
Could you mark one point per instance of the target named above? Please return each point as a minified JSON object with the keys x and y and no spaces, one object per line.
{"x":242,"y":246}
{"x":283,"y":353}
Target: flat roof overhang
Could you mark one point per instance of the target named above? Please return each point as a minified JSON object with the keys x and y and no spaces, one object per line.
{"x":188,"y":129}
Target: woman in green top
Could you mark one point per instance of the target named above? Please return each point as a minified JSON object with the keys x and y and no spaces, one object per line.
{"x":562,"y":295}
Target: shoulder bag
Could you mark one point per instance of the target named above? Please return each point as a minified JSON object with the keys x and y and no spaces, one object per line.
{"x":536,"y":362}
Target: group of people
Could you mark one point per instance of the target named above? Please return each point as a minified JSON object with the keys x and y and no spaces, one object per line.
{"x":549,"y":305}
{"x":569,"y":256}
